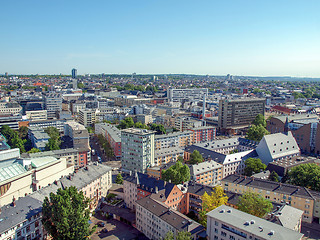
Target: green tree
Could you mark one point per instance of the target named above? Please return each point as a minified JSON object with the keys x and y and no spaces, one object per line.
{"x":23,"y":132}
{"x":34,"y":150}
{"x":253,"y":165}
{"x":274,"y":177}
{"x":180,"y":159}
{"x":13,"y":139}
{"x":177,"y":173}
{"x":256,"y":132}
{"x":54,"y":141}
{"x":126,"y":123}
{"x":52,"y":145}
{"x":169,"y":236}
{"x":65,"y":215}
{"x":255,"y":204}
{"x":260,"y":120}
{"x":80,"y":85}
{"x":119,"y":179}
{"x":183,"y":235}
{"x":305,"y":175}
{"x":210,"y":202}
{"x":158,"y":128}
{"x":195,"y":157}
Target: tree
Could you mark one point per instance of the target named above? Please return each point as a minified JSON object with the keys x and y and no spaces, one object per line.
{"x":274,"y":177}
{"x":177,"y":173}
{"x":305,"y":175}
{"x":52,"y":145}
{"x":253,"y":165}
{"x":23,"y":132}
{"x":54,"y":141}
{"x":126,"y":123}
{"x":65,"y":215}
{"x":195,"y":157}
{"x":255,"y":204}
{"x":180,"y":159}
{"x":260,"y":120}
{"x":13,"y":139}
{"x":158,"y":128}
{"x":179,"y":236}
{"x":256,"y":132}
{"x":210,"y":202}
{"x":34,"y":150}
{"x":119,"y":179}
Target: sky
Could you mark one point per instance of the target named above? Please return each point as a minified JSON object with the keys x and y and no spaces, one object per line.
{"x":237,"y":37}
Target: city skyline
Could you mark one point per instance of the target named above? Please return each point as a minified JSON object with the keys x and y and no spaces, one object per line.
{"x":217,"y":38}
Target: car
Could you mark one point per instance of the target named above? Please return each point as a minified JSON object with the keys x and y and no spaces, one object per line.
{"x":104,"y":230}
{"x":101,"y":224}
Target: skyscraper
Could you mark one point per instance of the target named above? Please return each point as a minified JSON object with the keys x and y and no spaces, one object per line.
{"x":74,"y":73}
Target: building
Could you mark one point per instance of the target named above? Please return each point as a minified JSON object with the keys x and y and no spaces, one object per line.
{"x":129,"y":100}
{"x":43,"y":124}
{"x":20,"y":177}
{"x":299,"y":197}
{"x":38,"y":137}
{"x":113,"y":136}
{"x":10,"y":120}
{"x":188,"y":94}
{"x":207,"y":173}
{"x":22,"y":218}
{"x":137,"y":146}
{"x":78,"y":157}
{"x":74,"y":73}
{"x":281,"y":167}
{"x":287,"y":216}
{"x":87,"y":117}
{"x":203,"y":134}
{"x":187,"y":123}
{"x":37,"y":115}
{"x":175,"y":139}
{"x":167,"y":155}
{"x":78,"y":134}
{"x":239,"y":113}
{"x":233,"y":162}
{"x":277,"y":146}
{"x":228,"y":223}
{"x":10,"y":108}
{"x":155,"y":219}
{"x":53,"y":104}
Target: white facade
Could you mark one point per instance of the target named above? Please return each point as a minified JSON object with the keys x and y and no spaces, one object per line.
{"x":176,"y":95}
{"x":37,"y":115}
{"x":234,"y":163}
{"x":130,"y":194}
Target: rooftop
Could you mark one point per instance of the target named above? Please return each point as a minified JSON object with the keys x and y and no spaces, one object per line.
{"x":250,"y":224}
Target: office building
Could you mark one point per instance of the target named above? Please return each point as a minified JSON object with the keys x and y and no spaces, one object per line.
{"x":37,"y":115}
{"x":78,"y":134}
{"x":87,"y":117}
{"x":38,"y":137}
{"x":10,"y":108}
{"x":74,"y":73}
{"x":239,"y":113}
{"x":53,"y":103}
{"x":137,"y":146}
{"x":228,"y":223}
{"x":189,"y":94}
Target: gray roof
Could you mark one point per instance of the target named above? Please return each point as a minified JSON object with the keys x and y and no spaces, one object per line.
{"x":287,"y":216}
{"x":172,"y":217}
{"x":173,"y":134}
{"x":298,"y":118}
{"x":203,"y":167}
{"x":32,"y":204}
{"x":167,"y":151}
{"x":112,"y":130}
{"x":280,"y":144}
{"x":251,"y":224}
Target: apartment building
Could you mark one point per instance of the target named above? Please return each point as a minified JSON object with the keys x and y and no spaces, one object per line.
{"x":129,"y":100}
{"x":37,"y":115}
{"x":239,"y":113}
{"x":175,"y":139}
{"x":75,"y":156}
{"x":203,"y":134}
{"x":53,"y":104}
{"x":38,"y":137}
{"x":187,"y":94}
{"x":22,"y":218}
{"x":155,"y":219}
{"x":228,"y":223}
{"x":137,"y":146}
{"x":87,"y":117}
{"x":113,"y":136}
{"x":232,"y":162}
{"x":207,"y":173}
{"x":299,"y":197}
{"x":187,"y":123}
{"x":167,"y":155}
{"x":10,"y":108}
{"x":11,"y":120}
{"x":78,"y":134}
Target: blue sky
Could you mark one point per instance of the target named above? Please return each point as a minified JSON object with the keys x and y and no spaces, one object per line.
{"x":239,"y":37}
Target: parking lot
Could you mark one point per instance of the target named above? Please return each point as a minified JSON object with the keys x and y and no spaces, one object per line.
{"x":115,"y":230}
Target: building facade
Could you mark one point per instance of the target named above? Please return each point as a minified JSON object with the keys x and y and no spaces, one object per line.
{"x":113,"y":136}
{"x":53,"y":104}
{"x":137,"y":146}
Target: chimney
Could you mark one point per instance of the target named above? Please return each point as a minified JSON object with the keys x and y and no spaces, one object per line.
{"x":13,"y":201}
{"x":156,"y":189}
